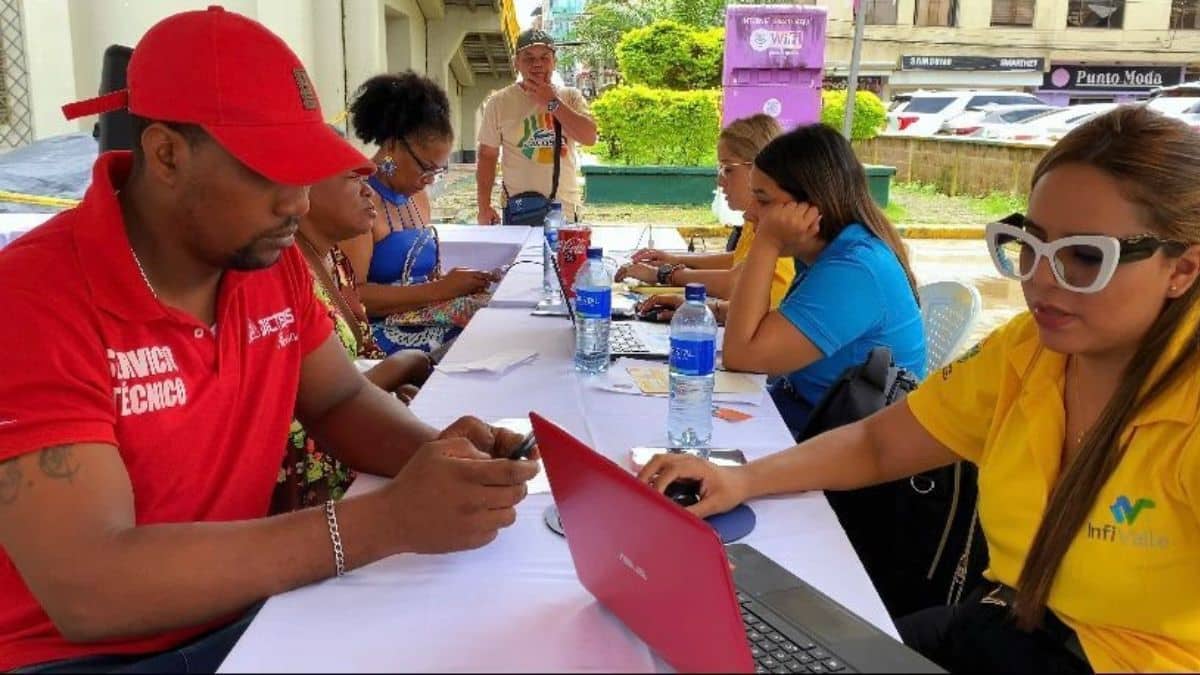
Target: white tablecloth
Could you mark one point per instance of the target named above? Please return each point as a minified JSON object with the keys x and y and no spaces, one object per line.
{"x":522,"y":286}
{"x":516,"y":605}
{"x":13,"y":225}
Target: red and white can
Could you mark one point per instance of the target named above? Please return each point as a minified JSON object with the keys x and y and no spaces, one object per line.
{"x":573,"y":243}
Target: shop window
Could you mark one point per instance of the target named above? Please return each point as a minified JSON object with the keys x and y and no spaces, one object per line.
{"x":1013,"y":12}
{"x":880,"y":12}
{"x":1185,"y":14}
{"x":1095,"y":13}
{"x":936,"y":13}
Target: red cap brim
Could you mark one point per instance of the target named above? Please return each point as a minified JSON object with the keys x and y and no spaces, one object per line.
{"x":292,"y":154}
{"x":109,"y":102}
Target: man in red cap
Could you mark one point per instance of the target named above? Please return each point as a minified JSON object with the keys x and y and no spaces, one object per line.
{"x":145,"y":396}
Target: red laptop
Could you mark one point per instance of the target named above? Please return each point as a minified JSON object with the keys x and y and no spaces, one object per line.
{"x":667,"y":576}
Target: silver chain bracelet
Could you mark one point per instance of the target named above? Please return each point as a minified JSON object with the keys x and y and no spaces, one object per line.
{"x":339,"y":556}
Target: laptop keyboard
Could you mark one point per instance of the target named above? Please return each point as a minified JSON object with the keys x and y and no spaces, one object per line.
{"x":775,"y":652}
{"x":624,"y":340}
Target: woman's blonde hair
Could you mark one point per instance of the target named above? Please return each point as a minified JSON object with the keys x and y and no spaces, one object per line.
{"x":1156,"y":161}
{"x":746,"y":137}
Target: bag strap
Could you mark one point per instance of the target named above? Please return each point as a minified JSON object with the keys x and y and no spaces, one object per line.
{"x":877,"y":367}
{"x":558,"y":142}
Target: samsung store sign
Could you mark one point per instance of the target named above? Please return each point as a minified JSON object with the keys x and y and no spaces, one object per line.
{"x":1108,"y":78}
{"x":984,"y":63}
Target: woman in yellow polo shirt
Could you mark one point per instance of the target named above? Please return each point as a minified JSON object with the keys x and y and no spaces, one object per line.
{"x":1083,"y":416}
{"x":737,"y":146}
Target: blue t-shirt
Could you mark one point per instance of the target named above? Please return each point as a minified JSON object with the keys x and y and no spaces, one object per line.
{"x":853,"y":298}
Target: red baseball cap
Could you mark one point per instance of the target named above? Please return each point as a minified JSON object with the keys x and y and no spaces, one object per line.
{"x":241,"y":84}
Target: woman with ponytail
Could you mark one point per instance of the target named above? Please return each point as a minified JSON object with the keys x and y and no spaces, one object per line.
{"x":1083,"y":416}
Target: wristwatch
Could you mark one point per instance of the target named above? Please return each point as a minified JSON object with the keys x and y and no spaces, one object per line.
{"x":553,"y":105}
{"x":665,"y":272}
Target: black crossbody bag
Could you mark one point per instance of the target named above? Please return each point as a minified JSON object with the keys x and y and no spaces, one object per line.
{"x":917,"y":537}
{"x":530,"y":208}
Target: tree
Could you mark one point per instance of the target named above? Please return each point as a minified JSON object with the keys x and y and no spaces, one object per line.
{"x":869,"y":113}
{"x":641,"y":126}
{"x":603,"y":23}
{"x":697,"y":13}
{"x":706,"y":13}
{"x":669,"y":55}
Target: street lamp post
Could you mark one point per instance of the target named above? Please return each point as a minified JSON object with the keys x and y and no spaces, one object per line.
{"x":860,"y":22}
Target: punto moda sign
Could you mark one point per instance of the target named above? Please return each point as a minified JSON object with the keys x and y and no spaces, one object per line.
{"x":1132,"y":78}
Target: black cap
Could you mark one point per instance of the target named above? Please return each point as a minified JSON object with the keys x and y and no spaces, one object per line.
{"x":534,"y":37}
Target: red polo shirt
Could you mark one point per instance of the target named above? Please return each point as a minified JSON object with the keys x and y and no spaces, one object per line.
{"x":91,"y":356}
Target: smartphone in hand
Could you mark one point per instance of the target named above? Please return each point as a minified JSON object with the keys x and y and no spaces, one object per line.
{"x":525,"y":449}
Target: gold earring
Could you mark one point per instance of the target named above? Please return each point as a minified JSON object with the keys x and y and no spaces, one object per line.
{"x":1173,"y":289}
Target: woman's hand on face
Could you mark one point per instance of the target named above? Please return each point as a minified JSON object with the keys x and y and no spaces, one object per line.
{"x":721,"y":488}
{"x":790,"y":227}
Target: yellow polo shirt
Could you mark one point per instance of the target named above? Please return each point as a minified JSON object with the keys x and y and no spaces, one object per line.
{"x":785,"y":268}
{"x":1130,"y":583}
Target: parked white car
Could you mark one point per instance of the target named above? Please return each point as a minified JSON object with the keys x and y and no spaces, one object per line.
{"x":973,"y":122}
{"x":1181,"y":101}
{"x":924,"y":113}
{"x":1048,"y":127}
{"x":1191,"y":115}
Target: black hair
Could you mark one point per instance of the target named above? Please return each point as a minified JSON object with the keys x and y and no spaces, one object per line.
{"x":816,"y":164}
{"x":400,"y":105}
{"x":194,"y":134}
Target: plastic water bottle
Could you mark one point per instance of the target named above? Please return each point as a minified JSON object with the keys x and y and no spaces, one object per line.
{"x":693,"y":359}
{"x":593,"y":314}
{"x":554,"y":221}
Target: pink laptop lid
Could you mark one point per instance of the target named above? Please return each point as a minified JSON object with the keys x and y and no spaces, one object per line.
{"x":658,"y":568}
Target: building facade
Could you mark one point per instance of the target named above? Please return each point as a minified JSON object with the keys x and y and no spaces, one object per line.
{"x":1064,"y":51}
{"x":465,"y":45}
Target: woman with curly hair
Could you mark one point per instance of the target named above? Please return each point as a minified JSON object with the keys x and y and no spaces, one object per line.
{"x":411,"y":303}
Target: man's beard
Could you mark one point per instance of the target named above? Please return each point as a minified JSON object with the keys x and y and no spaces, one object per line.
{"x":249,"y":259}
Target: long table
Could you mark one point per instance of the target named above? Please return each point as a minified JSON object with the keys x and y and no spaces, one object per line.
{"x":516,"y":605}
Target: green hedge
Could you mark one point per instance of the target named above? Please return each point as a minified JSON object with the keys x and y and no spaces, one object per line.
{"x":643,"y":126}
{"x":669,"y":55}
{"x":869,"y":113}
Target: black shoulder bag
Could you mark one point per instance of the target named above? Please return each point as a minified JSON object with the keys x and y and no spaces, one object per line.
{"x":917,"y":537}
{"x":530,"y":208}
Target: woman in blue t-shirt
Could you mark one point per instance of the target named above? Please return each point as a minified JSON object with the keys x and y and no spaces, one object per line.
{"x":853,"y":290}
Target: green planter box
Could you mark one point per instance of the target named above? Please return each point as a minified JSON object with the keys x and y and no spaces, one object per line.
{"x":650,"y":184}
{"x":879,"y":183}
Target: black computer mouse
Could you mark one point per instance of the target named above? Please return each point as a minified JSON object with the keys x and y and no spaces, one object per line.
{"x":683,"y":492}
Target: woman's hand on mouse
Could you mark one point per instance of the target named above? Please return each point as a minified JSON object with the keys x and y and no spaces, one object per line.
{"x":659,"y":307}
{"x":721,"y":487}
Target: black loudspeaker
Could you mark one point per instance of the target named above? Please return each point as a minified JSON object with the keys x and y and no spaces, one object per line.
{"x":114,"y":131}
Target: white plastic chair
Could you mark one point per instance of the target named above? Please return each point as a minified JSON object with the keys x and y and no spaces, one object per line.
{"x":949,"y":310}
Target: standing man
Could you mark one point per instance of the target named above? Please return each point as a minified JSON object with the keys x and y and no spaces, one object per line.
{"x":533,"y":127}
{"x":146,"y":393}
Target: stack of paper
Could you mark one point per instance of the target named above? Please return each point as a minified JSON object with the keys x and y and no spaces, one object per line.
{"x":640,"y":378}
{"x":499,"y":363}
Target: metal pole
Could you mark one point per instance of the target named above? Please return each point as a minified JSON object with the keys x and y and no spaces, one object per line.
{"x":860,"y":22}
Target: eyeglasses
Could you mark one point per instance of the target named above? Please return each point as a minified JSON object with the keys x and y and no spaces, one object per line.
{"x":1081,"y":263}
{"x":723,"y":168}
{"x":429,"y":172}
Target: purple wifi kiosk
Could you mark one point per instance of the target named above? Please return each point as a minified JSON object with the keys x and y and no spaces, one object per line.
{"x":774,"y":62}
